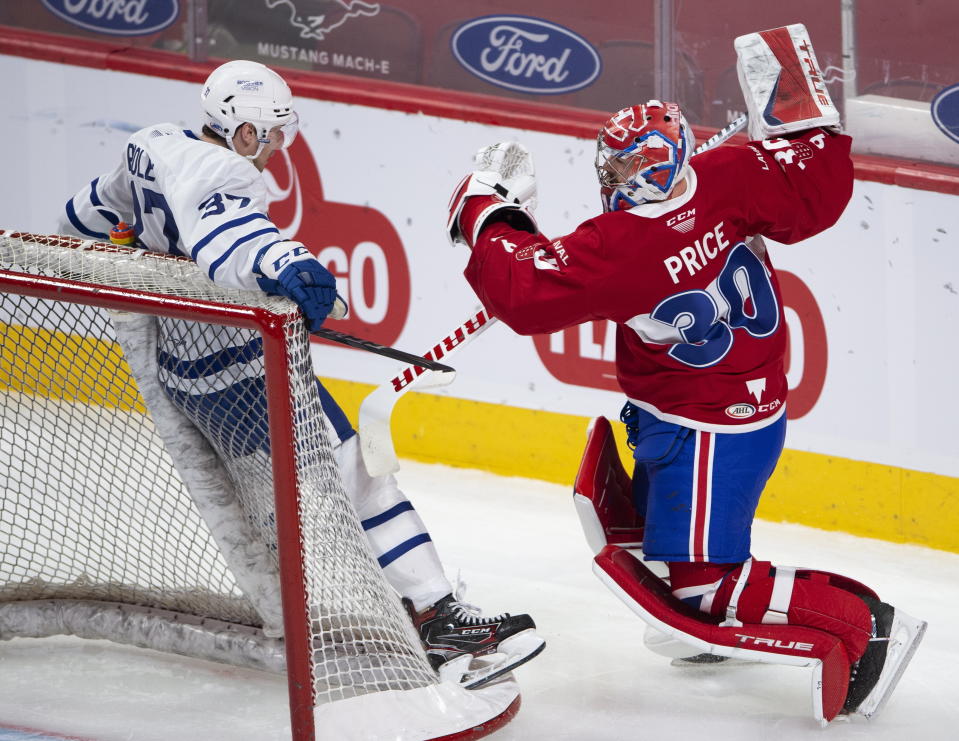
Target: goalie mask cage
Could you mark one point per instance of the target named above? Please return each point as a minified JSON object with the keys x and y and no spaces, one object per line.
{"x":190,"y":502}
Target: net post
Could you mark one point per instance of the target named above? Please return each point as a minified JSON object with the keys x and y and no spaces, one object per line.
{"x":289,"y":534}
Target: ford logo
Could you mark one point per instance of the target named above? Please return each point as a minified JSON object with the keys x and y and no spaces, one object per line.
{"x":117,"y":17}
{"x":945,"y":111}
{"x":526,"y":54}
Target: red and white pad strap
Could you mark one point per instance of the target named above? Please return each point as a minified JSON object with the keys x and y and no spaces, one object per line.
{"x":778,"y":611}
{"x":733,"y":605}
{"x":782,"y":83}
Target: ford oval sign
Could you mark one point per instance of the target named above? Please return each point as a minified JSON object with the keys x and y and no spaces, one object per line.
{"x":117,"y":17}
{"x":945,"y":111}
{"x":526,"y":54}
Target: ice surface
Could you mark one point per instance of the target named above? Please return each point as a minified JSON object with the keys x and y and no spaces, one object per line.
{"x":518,"y":546}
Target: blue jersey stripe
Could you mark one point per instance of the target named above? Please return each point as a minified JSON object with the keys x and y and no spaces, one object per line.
{"x":223,"y":258}
{"x":78,"y":225}
{"x":222,"y":228}
{"x":211,"y":364}
{"x":94,"y":198}
{"x":333,"y":412}
{"x":405,"y":547}
{"x":101,"y":209}
{"x":371,"y":522}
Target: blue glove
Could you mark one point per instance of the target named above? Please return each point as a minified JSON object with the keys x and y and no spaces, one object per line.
{"x":288,"y":269}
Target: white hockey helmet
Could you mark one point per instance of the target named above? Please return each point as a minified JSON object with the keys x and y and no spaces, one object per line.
{"x":642,"y":153}
{"x":242,"y":92}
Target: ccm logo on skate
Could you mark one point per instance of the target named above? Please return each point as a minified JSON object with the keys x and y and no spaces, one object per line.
{"x":358,"y":244}
{"x":526,"y":54}
{"x":116,"y":17}
{"x":772,"y":643}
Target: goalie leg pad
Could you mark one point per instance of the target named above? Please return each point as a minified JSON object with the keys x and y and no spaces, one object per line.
{"x":796,"y":645}
{"x":602,"y":492}
{"x":758,"y":592}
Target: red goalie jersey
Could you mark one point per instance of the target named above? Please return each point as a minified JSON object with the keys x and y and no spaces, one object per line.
{"x":701,"y":335}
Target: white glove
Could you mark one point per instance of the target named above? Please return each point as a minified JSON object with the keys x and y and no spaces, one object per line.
{"x":506,"y":179}
{"x":511,"y":164}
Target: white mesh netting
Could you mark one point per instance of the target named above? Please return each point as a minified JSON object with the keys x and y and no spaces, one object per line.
{"x":138,"y":493}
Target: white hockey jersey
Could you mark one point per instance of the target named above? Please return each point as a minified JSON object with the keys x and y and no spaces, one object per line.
{"x":184,"y":196}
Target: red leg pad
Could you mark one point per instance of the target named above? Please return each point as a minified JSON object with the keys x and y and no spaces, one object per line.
{"x":838,"y":580}
{"x":818,"y":600}
{"x":603,"y":481}
{"x":797,"y":645}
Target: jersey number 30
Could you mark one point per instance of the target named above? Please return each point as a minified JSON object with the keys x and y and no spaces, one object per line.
{"x":707,"y":331}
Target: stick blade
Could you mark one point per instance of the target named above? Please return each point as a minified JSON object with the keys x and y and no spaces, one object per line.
{"x":376,"y":437}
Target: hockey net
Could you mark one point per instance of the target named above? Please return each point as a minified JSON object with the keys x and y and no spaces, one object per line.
{"x":149,"y":498}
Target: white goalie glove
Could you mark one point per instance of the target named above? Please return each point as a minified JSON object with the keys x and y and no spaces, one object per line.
{"x":782,"y":84}
{"x":505,"y":179}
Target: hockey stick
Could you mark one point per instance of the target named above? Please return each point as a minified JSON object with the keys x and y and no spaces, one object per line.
{"x":725,"y":133}
{"x":376,"y":439}
{"x":384,"y":350}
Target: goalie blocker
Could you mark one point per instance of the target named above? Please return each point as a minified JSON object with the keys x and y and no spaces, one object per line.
{"x":614,"y":531}
{"x":782,"y":83}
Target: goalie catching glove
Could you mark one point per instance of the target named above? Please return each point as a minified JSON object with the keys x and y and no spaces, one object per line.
{"x":289,"y":269}
{"x":503,"y":189}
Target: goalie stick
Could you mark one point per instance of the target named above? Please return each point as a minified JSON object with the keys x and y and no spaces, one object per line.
{"x":376,"y":438}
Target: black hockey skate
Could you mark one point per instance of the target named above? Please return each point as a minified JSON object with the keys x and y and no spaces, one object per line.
{"x":873,"y":678}
{"x":472,"y":650}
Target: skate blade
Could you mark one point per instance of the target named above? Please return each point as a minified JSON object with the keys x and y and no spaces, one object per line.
{"x":904,"y":638}
{"x":706,"y":661}
{"x":513,"y":652}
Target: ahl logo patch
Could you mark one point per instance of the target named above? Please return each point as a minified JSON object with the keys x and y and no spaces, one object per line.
{"x":740,"y":411}
{"x":526,"y":54}
{"x":945,"y":111}
{"x":117,"y":17}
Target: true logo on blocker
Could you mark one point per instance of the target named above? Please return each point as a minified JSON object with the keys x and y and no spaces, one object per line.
{"x":526,"y":54}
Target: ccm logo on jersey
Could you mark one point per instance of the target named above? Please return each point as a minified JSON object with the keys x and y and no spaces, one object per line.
{"x":684,"y":221}
{"x":773,"y":643}
{"x":697,"y":257}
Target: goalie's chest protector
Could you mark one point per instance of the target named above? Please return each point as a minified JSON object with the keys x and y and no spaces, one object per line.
{"x":701,"y":334}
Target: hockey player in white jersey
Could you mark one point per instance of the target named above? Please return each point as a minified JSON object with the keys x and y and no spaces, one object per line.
{"x":202,"y":197}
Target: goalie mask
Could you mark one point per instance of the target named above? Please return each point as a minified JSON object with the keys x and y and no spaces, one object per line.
{"x":242,"y":92}
{"x":642,"y":153}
